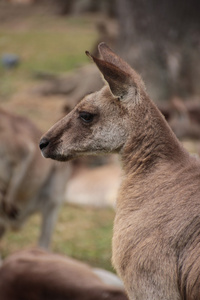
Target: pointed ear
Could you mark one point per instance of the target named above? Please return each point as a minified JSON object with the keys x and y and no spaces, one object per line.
{"x":118,"y":80}
{"x":109,"y":56}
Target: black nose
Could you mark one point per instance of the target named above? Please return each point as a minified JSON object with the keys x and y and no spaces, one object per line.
{"x":43,"y":143}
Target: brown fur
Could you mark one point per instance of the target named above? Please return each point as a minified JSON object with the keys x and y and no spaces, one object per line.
{"x":28,"y":184}
{"x":157,"y":226}
{"x":38,"y":275}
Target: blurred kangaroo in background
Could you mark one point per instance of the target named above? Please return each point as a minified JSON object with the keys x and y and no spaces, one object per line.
{"x":28,"y":183}
{"x":156,"y":242}
{"x":39,"y":275}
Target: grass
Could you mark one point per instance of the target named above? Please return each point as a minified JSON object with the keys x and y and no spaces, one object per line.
{"x":82,"y":233}
{"x":85,"y":234}
{"x":48,"y":44}
{"x":49,"y":51}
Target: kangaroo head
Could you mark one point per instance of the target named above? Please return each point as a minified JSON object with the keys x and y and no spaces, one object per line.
{"x":100,"y":123}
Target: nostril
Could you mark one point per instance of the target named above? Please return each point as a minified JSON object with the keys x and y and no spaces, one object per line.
{"x":43,"y":143}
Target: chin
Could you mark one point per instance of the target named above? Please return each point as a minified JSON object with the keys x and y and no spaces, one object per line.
{"x":56,"y":156}
{"x":61,"y":157}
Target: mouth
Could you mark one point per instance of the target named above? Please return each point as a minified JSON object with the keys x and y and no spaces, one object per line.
{"x":61,"y":157}
{"x":56,"y":156}
{"x":52,"y":150}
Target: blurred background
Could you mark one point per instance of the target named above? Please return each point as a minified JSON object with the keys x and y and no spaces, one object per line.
{"x":44,"y":72}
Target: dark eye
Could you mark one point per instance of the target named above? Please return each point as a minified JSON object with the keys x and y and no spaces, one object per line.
{"x":86,"y":116}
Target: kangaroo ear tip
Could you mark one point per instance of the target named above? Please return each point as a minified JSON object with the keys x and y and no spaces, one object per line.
{"x":91,"y":56}
{"x":88,"y":54}
{"x":102,"y":45}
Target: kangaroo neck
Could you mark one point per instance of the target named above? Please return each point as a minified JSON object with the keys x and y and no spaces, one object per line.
{"x":151,"y":141}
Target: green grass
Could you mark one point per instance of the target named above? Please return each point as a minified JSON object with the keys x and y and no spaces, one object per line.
{"x":48,"y":44}
{"x":85,"y":234}
{"x":82,"y":233}
{"x":50,"y":51}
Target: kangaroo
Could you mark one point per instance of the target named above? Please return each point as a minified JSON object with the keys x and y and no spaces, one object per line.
{"x":27,"y":183}
{"x":39,"y":275}
{"x":156,"y":238}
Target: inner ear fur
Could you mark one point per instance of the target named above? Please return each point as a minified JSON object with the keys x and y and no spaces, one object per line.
{"x":118,"y":80}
